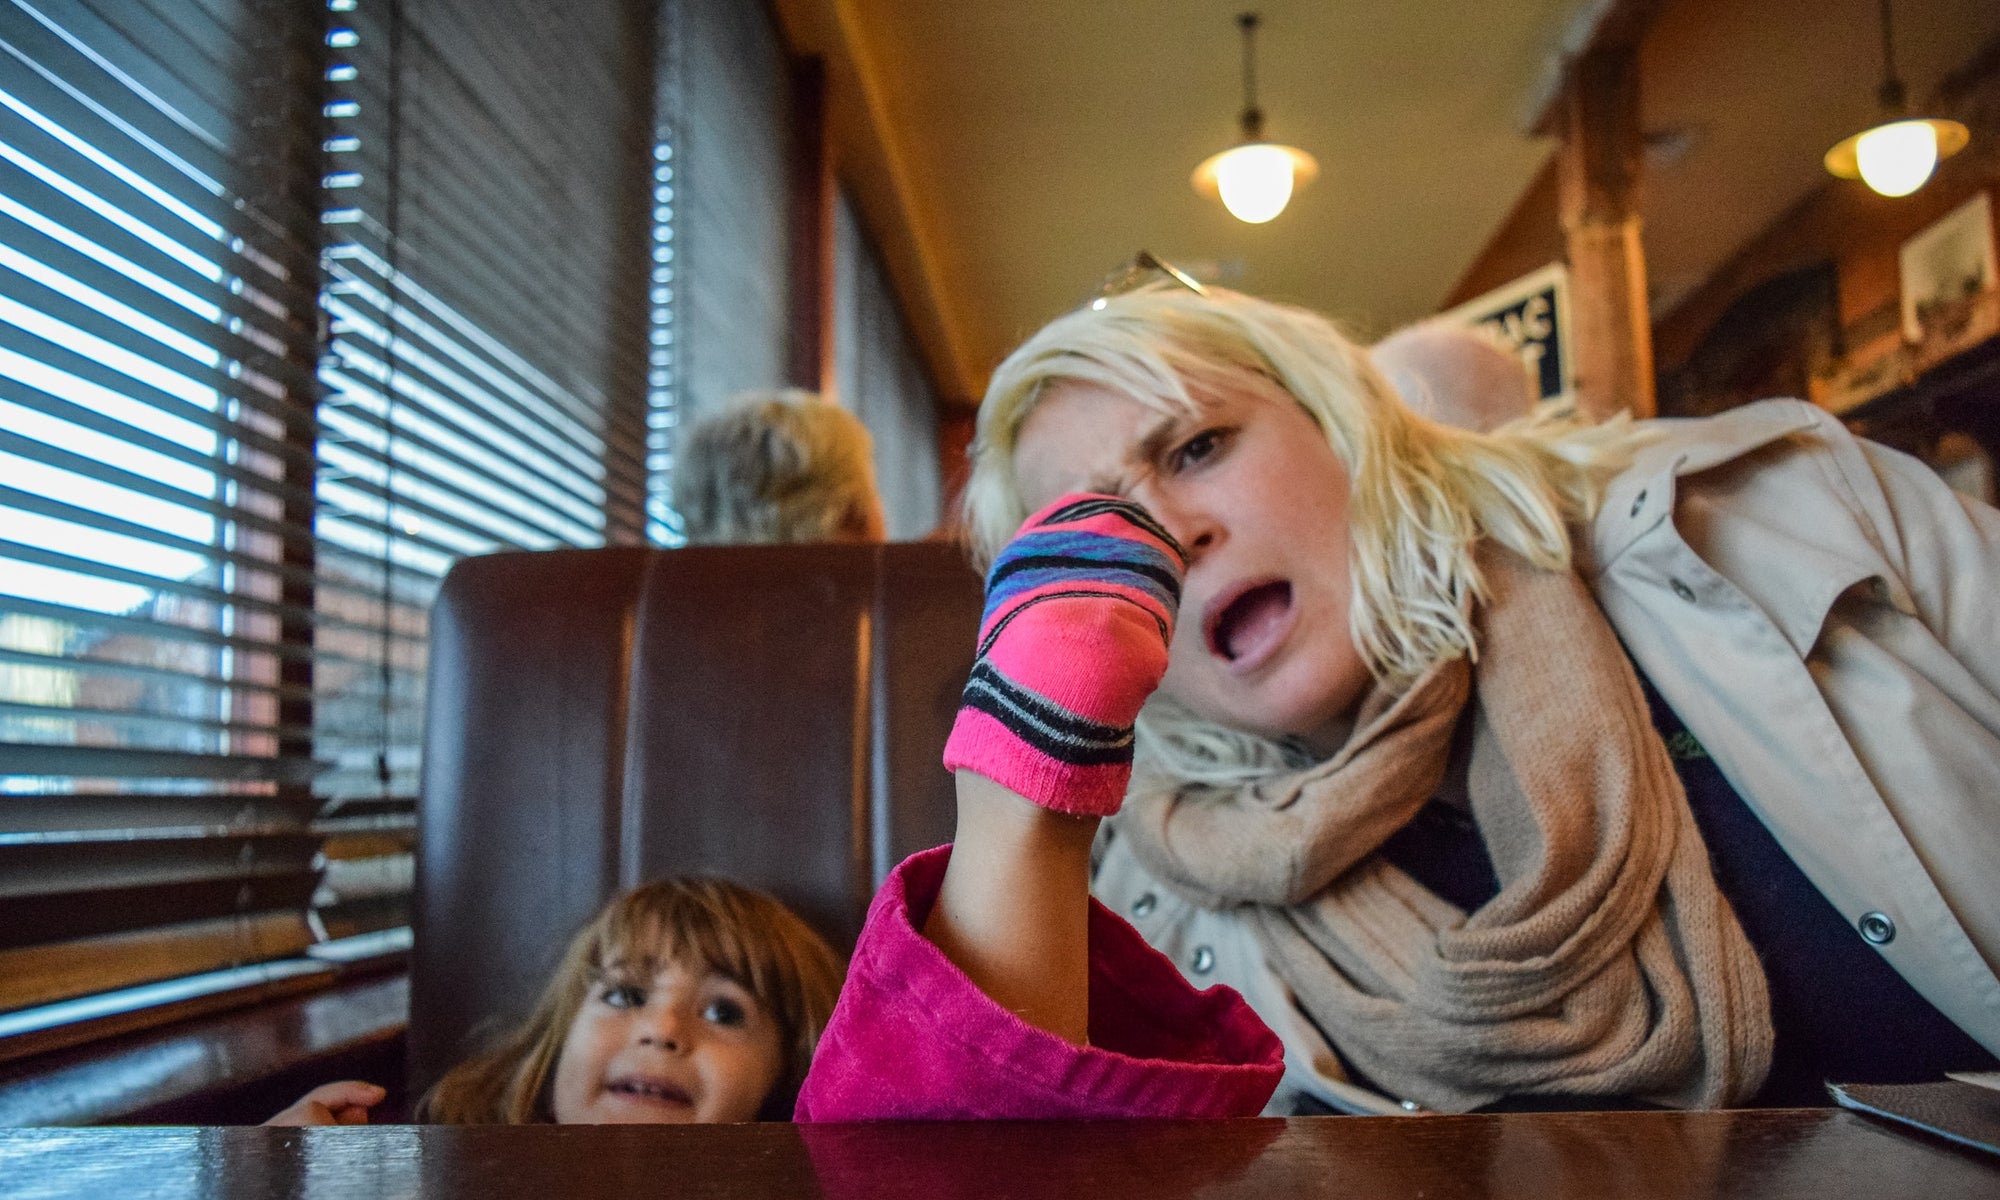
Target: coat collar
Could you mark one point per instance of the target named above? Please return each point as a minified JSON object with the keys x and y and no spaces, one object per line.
{"x":1816,"y":569}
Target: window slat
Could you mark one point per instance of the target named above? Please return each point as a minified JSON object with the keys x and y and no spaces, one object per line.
{"x":209,"y":808}
{"x":41,"y":974}
{"x":98,"y":912}
{"x":27,"y":760}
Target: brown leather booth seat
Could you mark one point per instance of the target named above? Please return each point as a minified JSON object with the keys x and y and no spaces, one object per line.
{"x":597,"y":718}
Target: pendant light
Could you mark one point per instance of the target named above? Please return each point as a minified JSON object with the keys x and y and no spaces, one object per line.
{"x":1897,"y":156}
{"x":1255,"y":179}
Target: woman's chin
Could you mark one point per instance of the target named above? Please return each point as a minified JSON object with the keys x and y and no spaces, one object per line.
{"x":1321,"y":722}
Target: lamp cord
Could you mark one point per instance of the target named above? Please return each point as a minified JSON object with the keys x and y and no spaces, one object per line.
{"x":1892,"y":95}
{"x":1253,"y":117}
{"x":392,"y":354}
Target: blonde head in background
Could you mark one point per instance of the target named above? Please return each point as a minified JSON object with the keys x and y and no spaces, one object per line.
{"x":782,"y":466}
{"x":1457,"y":376}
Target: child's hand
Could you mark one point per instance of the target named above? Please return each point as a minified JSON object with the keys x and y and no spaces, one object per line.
{"x":1079,"y":612}
{"x":344,"y":1103}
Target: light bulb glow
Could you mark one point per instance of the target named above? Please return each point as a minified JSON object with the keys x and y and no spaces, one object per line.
{"x":1255,"y":181}
{"x":1895,"y":159}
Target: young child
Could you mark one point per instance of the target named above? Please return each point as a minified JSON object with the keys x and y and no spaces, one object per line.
{"x":987,"y":983}
{"x":691,"y":1000}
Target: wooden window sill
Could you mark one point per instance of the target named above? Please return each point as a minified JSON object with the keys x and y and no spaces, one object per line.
{"x":227,"y":1068}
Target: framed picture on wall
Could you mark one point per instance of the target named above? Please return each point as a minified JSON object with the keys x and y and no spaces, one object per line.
{"x":1946,"y":268}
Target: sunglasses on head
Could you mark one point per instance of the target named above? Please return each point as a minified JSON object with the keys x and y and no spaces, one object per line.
{"x":1144,"y":270}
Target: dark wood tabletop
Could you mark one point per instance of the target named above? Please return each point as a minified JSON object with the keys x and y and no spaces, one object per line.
{"x":1815,"y":1154}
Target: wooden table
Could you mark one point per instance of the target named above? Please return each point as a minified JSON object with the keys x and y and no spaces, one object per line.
{"x":1808,"y":1153}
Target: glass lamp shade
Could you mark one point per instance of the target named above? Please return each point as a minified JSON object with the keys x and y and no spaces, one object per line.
{"x":1896,"y":158}
{"x":1255,"y":181}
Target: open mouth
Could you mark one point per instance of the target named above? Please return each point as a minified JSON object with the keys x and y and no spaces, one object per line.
{"x":651,"y":1091}
{"x":1247,"y":626}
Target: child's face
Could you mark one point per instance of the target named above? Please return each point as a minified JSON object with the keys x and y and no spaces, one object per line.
{"x":685,"y":1045}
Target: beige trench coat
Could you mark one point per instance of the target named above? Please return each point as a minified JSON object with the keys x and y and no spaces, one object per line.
{"x":1824,"y":615}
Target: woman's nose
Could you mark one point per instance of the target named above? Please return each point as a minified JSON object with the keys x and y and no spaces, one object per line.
{"x":1192,"y":525}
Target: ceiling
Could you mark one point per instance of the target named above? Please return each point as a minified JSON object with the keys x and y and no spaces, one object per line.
{"x":1009,"y":153}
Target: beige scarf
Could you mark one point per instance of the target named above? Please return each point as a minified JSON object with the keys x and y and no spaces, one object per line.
{"x":1609,"y":964}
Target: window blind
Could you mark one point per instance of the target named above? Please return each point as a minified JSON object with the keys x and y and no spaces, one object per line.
{"x":487,"y":357}
{"x":159,"y":277}
{"x":299,"y":303}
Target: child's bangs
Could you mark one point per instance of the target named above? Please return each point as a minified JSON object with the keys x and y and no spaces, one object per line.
{"x":684,"y":922}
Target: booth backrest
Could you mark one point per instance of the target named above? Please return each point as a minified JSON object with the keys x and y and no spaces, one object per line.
{"x":597,"y":718}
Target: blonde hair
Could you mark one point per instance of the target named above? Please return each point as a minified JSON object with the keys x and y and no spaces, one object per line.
{"x":783,"y":466}
{"x":1421,"y":494}
{"x":726,"y":927}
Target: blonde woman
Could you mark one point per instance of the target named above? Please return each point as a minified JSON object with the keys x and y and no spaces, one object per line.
{"x":1646,"y":763}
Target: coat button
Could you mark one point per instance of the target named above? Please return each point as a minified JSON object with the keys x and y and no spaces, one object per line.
{"x":1638,"y":502}
{"x":1144,"y":904}
{"x":1682,"y":590}
{"x":1204,"y":960}
{"x":1877,"y":928}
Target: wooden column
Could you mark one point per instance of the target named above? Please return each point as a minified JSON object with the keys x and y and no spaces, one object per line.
{"x":810,"y":360}
{"x":1600,"y":168}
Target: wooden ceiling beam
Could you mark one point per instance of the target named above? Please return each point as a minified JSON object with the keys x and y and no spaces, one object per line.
{"x":1597,"y":25}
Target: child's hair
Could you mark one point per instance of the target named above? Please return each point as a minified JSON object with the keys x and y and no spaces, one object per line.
{"x":725,"y":927}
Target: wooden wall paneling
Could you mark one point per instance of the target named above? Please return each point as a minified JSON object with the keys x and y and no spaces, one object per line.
{"x":1529,"y":239}
{"x":956,"y":427}
{"x":1859,"y":232}
{"x":812,"y":250}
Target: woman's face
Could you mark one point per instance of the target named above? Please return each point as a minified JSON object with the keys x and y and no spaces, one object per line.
{"x":1252,"y":490}
{"x":676,"y":1045}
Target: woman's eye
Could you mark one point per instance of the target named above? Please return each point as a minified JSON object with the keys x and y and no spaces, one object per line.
{"x":624,"y":995}
{"x":725,"y":1012}
{"x":1197,"y":449}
